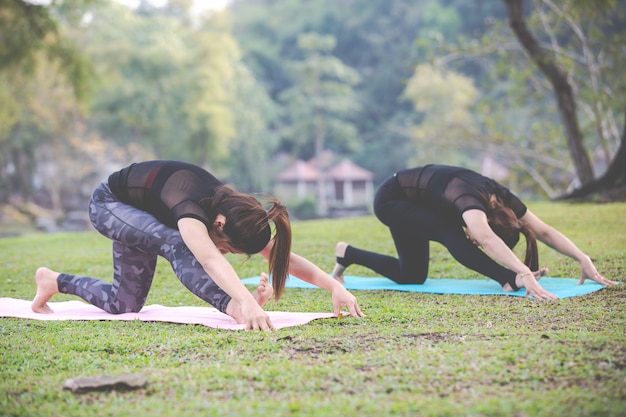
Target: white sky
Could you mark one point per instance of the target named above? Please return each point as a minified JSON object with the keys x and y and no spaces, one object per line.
{"x":199,"y":5}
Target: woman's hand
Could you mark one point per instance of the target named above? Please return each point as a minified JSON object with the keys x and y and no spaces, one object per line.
{"x":343,"y":298}
{"x":528,"y":280}
{"x":589,"y":272}
{"x":254,"y":317}
{"x":243,"y":307}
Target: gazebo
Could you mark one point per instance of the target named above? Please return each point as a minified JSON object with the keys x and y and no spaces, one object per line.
{"x":347,"y":188}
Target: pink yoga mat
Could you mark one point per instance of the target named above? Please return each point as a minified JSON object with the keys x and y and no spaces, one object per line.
{"x":206,"y":316}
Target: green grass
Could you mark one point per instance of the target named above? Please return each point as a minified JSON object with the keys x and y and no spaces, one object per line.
{"x":414,"y":354}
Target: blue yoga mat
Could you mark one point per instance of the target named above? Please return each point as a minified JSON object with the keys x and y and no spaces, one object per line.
{"x":561,"y":287}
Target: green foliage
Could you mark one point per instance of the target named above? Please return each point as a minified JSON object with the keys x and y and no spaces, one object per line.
{"x":413,"y":354}
{"x":303,"y":209}
{"x":321,"y":102}
{"x":164,"y":83}
{"x":254,"y":143}
{"x":440,"y":22}
{"x":446,"y":101}
{"x":518,"y":113}
{"x":375,"y":38}
{"x":38,"y":114}
{"x":30,"y":31}
{"x":43,"y":88}
{"x":230,"y":90}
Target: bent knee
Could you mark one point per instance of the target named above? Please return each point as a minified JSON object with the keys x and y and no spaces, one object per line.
{"x":115,"y":309}
{"x":411,"y":279}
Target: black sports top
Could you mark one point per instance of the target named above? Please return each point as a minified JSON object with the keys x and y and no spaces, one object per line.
{"x":169,"y":190}
{"x":454,"y":190}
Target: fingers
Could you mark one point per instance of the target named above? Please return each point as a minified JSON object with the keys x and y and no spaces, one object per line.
{"x":352,"y":305}
{"x":535,"y":290}
{"x":256,"y":318}
{"x":336,"y":310}
{"x":543,"y":294}
{"x":538,"y":291}
{"x":595,"y":276}
{"x":601,"y":280}
{"x":264,"y":325}
{"x":589,"y":271}
{"x":355,"y":311}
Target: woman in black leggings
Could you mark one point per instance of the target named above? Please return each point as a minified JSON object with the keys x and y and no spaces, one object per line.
{"x":186,"y":215}
{"x":464,"y":211}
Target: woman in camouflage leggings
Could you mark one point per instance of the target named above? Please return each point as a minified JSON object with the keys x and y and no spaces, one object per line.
{"x":184,"y":214}
{"x":138,"y":238}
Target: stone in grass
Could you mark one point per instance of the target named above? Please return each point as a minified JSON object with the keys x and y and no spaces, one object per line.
{"x":123,"y":382}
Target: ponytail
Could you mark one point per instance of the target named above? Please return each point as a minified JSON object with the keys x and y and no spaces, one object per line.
{"x":506,"y":225}
{"x":248,"y":228}
{"x":281,"y":249}
{"x":532,"y":253}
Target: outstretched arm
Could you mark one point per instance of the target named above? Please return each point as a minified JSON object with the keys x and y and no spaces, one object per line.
{"x":478,"y":228}
{"x":561,"y":243}
{"x":306,"y":270}
{"x":195,"y":236}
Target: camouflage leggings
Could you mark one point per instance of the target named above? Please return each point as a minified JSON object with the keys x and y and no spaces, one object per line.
{"x":138,"y":238}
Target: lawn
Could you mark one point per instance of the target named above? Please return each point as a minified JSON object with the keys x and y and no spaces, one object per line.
{"x":414,"y":354}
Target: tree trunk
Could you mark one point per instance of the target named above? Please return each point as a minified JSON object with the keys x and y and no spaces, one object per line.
{"x":562,"y":90}
{"x":614,"y":179}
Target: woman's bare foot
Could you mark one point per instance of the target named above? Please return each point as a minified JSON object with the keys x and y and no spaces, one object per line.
{"x":261,"y":295}
{"x":540,"y":273}
{"x":46,"y":282}
{"x":338,"y":270}
{"x":340,"y":249}
{"x":264,"y":291}
{"x":337,"y":273}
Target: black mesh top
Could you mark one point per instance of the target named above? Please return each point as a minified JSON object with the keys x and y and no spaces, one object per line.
{"x":454,"y":190}
{"x":169,"y":190}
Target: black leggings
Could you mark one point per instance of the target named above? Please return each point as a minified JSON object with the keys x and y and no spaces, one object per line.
{"x":412,"y":227}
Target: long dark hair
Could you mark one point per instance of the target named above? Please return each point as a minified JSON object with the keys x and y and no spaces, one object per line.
{"x":248,"y":229}
{"x":507,"y":226}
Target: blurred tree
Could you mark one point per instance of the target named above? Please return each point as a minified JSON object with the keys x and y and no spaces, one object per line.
{"x":517,"y":112}
{"x":43,"y":88}
{"x":38,"y":108}
{"x":210,"y":92}
{"x":255,"y":141}
{"x":165,"y":83}
{"x":320,"y":103}
{"x":562,"y":90}
{"x":373,"y":37}
{"x":583,"y":26}
{"x":29,"y":31}
{"x":445,"y":102}
{"x":381,"y":39}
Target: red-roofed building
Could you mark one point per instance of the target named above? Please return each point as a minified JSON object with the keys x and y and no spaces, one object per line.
{"x":339,"y":190}
{"x":298,"y":180}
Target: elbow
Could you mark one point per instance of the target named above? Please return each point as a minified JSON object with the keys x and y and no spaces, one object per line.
{"x":487,"y":242}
